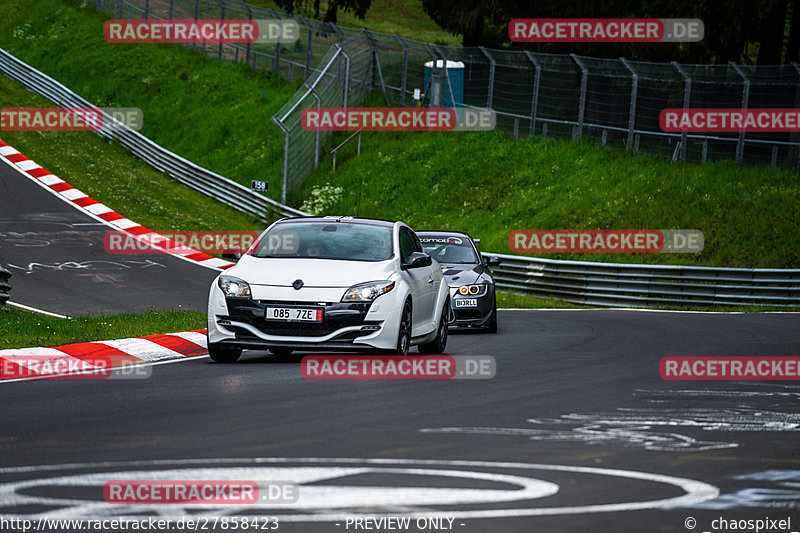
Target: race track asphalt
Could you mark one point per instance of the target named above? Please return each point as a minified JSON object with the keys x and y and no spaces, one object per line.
{"x":577,"y":401}
{"x":58,"y":263}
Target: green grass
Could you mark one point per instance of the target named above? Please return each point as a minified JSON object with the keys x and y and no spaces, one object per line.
{"x":211,"y":112}
{"x":110,"y":175}
{"x":20,"y":329}
{"x":403,"y":17}
{"x":489,"y":184}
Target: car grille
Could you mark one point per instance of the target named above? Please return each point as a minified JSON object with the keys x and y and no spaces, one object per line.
{"x":295,"y":330}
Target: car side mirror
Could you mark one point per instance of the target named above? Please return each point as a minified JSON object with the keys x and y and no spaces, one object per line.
{"x":232,"y":254}
{"x":417,"y":260}
{"x":493,"y":261}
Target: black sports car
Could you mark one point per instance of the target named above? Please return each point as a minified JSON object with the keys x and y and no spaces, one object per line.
{"x":472,"y":294}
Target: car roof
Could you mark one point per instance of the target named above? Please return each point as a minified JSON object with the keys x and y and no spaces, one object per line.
{"x":444,"y":232}
{"x":343,"y":219}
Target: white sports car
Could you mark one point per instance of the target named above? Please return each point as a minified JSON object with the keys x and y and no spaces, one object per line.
{"x":332,"y":283}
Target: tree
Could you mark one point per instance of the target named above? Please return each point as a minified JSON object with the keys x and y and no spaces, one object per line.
{"x":358,"y":7}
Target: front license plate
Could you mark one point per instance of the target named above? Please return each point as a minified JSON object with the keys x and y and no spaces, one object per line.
{"x":466,"y":302}
{"x":292,"y":314}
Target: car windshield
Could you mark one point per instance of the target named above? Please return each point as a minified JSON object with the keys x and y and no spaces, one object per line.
{"x":326,"y":240}
{"x":449,"y":249}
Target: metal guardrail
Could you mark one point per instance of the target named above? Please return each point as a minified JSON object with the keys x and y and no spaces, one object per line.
{"x":194,"y":176}
{"x":632,"y":285}
{"x":602,"y":284}
{"x":4,"y":286}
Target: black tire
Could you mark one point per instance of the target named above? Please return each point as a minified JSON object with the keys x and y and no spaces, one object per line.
{"x":404,"y":334}
{"x":491,"y":325}
{"x":223,"y":354}
{"x":438,"y":344}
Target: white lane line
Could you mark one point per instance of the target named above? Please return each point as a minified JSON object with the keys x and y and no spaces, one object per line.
{"x":35,"y":310}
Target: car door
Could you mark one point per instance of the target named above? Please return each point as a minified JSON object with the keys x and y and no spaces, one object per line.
{"x":420,"y":288}
{"x":433,"y":280}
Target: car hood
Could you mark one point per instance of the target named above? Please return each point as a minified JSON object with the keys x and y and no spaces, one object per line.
{"x":457,"y":275}
{"x":283,"y":272}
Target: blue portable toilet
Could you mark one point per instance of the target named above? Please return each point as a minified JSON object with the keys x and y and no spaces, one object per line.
{"x":437,"y":94}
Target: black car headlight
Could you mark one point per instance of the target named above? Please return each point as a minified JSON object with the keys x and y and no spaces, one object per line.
{"x":234,"y":287}
{"x":367,"y":292}
{"x":473,"y":290}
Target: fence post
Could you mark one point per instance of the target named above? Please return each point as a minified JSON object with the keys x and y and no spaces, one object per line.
{"x":338,"y":31}
{"x":373,"y":54}
{"x":582,"y":103}
{"x":146,"y":9}
{"x":309,"y":44}
{"x":285,"y":169}
{"x":745,"y":102}
{"x":346,"y":85}
{"x":171,"y":9}
{"x":490,"y":96}
{"x":404,"y":79}
{"x":247,"y":47}
{"x":687,"y":100}
{"x":793,"y":137}
{"x":222,"y":10}
{"x":316,"y":133}
{"x":446,"y":76}
{"x":276,"y":61}
{"x":634,"y":93}
{"x":196,"y":16}
{"x":536,"y":79}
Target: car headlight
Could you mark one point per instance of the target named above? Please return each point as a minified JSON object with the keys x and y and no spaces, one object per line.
{"x":473,"y":290}
{"x":366,"y":292}
{"x":234,"y":287}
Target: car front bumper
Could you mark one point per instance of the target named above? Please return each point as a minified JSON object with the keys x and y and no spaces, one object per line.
{"x":471,"y":317}
{"x":345,"y":326}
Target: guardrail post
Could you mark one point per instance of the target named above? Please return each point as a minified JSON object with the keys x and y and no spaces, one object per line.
{"x":536,"y":79}
{"x":634,"y":93}
{"x":316,"y":133}
{"x":404,"y":78}
{"x":687,"y":100}
{"x":276,"y":60}
{"x":285,"y":167}
{"x":490,"y":95}
{"x":582,"y":103}
{"x":745,"y":102}
{"x":309,"y":44}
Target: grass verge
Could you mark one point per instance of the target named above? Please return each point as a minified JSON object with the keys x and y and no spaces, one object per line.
{"x":489,"y":184}
{"x":19,"y":329}
{"x":211,"y":112}
{"x":403,"y":17}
